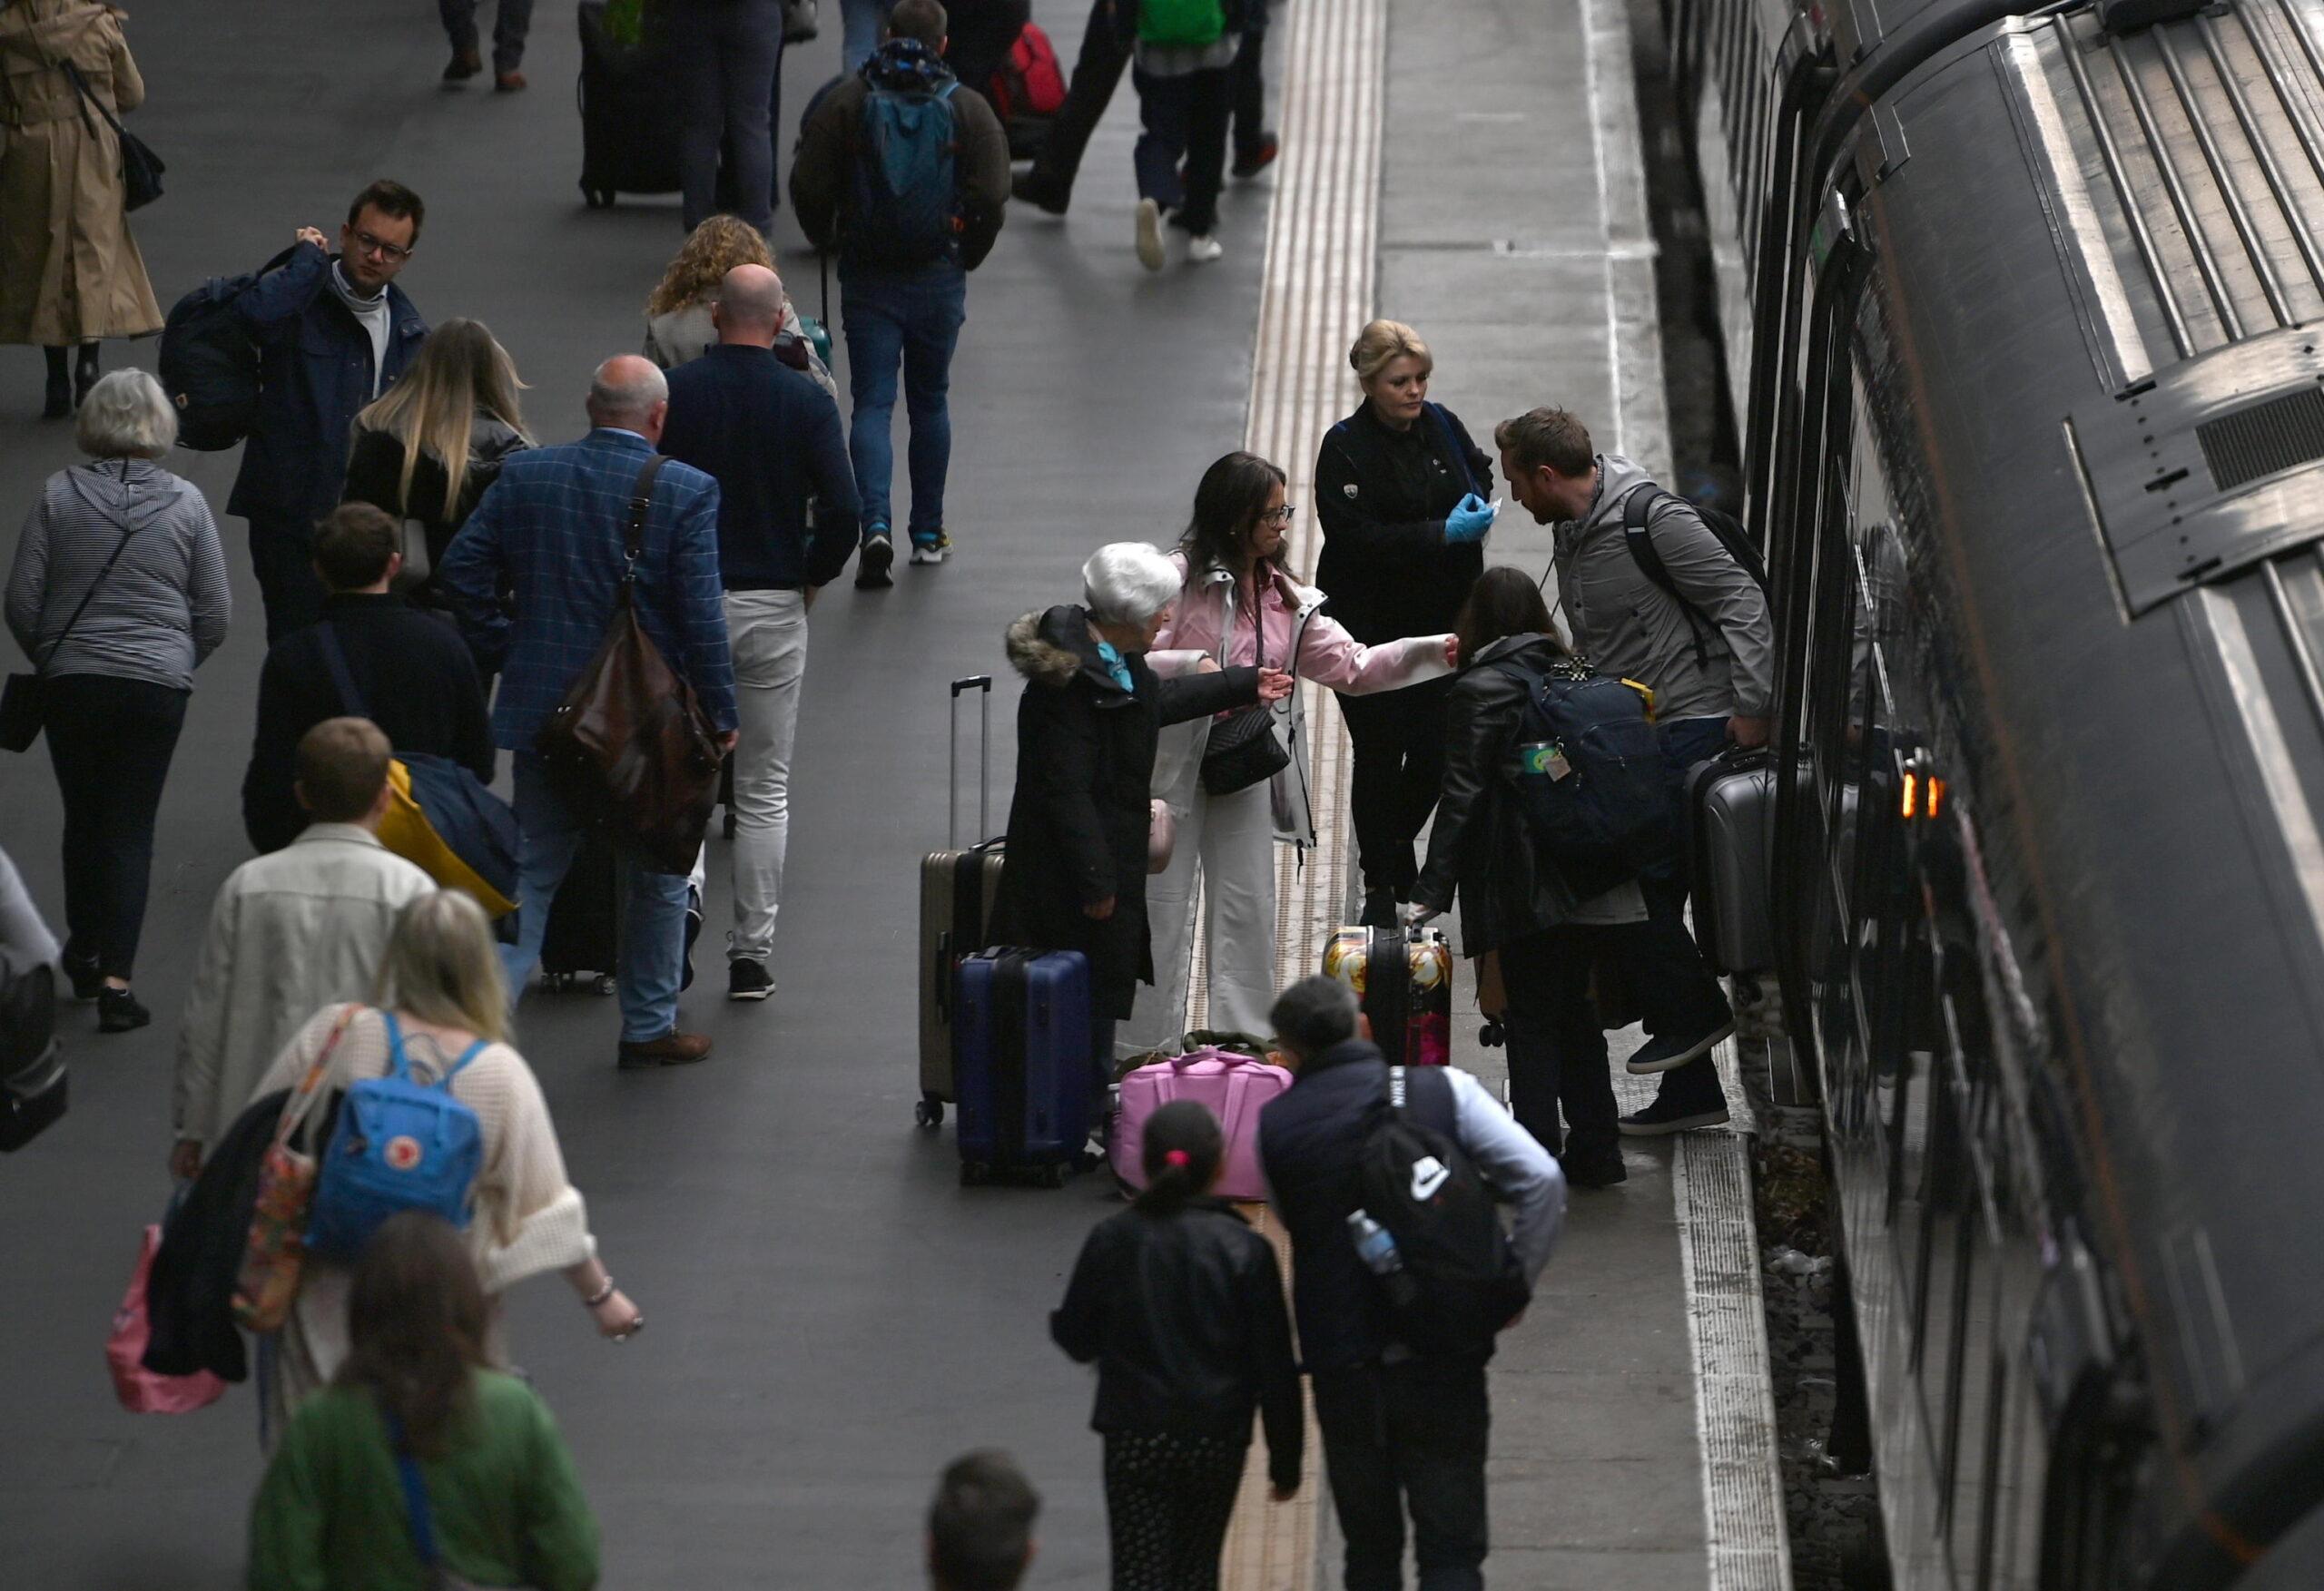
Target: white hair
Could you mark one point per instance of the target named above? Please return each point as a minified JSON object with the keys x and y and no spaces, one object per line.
{"x":613,"y":397}
{"x":1127,"y":582}
{"x":126,"y":416}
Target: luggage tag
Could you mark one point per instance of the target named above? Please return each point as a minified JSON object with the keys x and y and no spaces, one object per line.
{"x":1544,"y":757}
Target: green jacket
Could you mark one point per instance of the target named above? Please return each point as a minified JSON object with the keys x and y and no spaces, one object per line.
{"x":507,"y":1505}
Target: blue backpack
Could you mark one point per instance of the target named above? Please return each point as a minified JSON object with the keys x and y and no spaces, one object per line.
{"x":398,"y":1145}
{"x":904,"y":209}
{"x":1589,"y":778}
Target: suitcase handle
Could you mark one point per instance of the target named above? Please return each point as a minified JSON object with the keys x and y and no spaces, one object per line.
{"x":982,"y":685}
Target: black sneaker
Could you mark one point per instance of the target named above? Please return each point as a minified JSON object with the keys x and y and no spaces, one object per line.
{"x":1669,"y":1116}
{"x":748,"y":980}
{"x":88,"y":978}
{"x":118,"y":1011}
{"x":872,"y":563}
{"x":1030,"y":187}
{"x":1600,"y":1169}
{"x":1251,"y":161}
{"x":1672,"y":1051}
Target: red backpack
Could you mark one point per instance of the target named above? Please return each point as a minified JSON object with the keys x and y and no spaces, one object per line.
{"x":1029,"y":82}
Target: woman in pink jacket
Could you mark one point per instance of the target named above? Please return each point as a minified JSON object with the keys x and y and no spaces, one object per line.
{"x":1237,"y":783}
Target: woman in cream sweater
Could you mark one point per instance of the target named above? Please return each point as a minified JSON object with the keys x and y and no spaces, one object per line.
{"x":441,"y":980}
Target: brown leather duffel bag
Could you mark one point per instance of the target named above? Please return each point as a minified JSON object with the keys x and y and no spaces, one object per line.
{"x":630,"y":745}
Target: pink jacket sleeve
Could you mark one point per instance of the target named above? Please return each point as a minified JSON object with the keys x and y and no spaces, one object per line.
{"x":1333,"y":658}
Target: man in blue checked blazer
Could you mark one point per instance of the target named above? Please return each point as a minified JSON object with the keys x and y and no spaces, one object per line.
{"x":552,"y":529}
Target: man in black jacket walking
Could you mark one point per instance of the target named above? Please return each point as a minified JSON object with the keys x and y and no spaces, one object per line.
{"x":412,"y":671}
{"x":771,"y":438}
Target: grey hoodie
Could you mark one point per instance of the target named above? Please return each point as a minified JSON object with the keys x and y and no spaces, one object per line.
{"x":164,"y":606}
{"x":1628,"y":626}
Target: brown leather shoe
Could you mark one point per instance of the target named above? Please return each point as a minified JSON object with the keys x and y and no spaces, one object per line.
{"x":672,"y":1049}
{"x":466,"y":64}
{"x":507,"y":82}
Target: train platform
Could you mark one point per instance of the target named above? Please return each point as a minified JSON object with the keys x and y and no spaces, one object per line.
{"x":832,"y":1316}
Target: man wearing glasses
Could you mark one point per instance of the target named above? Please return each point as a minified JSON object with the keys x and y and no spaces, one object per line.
{"x":333,"y":331}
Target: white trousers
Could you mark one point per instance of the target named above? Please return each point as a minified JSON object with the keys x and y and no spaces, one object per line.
{"x":1227,"y":842}
{"x":767,"y":630}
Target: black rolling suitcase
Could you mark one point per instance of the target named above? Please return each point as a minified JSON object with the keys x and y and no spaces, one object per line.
{"x":1731,"y":844}
{"x":584,"y":937}
{"x":957,"y":890}
{"x":628,"y":123}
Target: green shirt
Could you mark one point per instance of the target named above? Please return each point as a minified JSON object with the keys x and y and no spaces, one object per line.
{"x":505,"y":1503}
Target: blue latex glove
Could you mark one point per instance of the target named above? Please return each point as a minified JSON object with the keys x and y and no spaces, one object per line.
{"x":1471,"y":517}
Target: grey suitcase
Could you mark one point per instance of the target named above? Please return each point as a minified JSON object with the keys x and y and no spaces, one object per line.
{"x":957,"y":890}
{"x":1730,"y":853}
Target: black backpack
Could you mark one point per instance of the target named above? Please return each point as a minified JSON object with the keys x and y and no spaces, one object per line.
{"x":1588,"y":774}
{"x":1461,"y":1281}
{"x":32,"y":1061}
{"x":1732,"y":534}
{"x":210,"y":364}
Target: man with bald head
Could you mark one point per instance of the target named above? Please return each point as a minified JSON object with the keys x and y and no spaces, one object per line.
{"x":553,"y":532}
{"x":772,"y":439}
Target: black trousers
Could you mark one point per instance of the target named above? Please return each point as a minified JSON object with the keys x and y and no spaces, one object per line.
{"x":1247,"y":100}
{"x":1105,"y":55}
{"x":282,"y":552}
{"x":1666,"y":960}
{"x":1168,"y":1501}
{"x":1398,"y":751}
{"x":1408,"y":1436}
{"x":111,"y":741}
{"x":1557,"y":1051}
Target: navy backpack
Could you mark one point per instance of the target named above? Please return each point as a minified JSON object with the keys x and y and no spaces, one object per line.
{"x":1588,"y":774}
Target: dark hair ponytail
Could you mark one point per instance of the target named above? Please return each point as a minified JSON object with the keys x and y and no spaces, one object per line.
{"x":1183,"y":1149}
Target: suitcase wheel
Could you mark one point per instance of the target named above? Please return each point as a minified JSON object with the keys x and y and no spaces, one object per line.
{"x":1492,"y":1035}
{"x":974,"y":1175}
{"x":929,"y":1111}
{"x":598,"y":198}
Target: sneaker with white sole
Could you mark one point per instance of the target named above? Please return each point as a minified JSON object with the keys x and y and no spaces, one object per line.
{"x":932,"y":551}
{"x":747,"y":979}
{"x":1668,"y":1052}
{"x":1202,"y":249}
{"x":1150,"y":234}
{"x":871,"y":565}
{"x":1665,"y":1116}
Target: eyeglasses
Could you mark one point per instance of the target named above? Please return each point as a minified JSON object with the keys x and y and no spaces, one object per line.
{"x":1282,"y":515}
{"x":394,"y":255}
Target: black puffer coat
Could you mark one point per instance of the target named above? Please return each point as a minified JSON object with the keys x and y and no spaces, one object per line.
{"x":1381,"y":496}
{"x":1482,"y":841}
{"x":1077,"y":825}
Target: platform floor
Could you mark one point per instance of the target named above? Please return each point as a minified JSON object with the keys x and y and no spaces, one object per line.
{"x":832,"y":1316}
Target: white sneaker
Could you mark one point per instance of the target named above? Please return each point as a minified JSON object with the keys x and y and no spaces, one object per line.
{"x":1150,"y":234}
{"x":930,"y":552}
{"x":1202,"y":249}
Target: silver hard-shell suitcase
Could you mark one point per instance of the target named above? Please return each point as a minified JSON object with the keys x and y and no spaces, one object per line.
{"x":1730,"y":854}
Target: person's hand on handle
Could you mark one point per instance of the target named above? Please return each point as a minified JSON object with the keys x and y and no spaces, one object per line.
{"x":1101,"y":911}
{"x":309,"y":235}
{"x":1452,"y":652}
{"x":1275,"y":685}
{"x":185,"y":1160}
{"x":1747,"y":733}
{"x":726,"y":742}
{"x":1471,"y":517}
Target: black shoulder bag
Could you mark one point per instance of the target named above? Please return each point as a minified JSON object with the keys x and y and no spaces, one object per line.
{"x":1242,"y":748}
{"x":141,"y":167}
{"x":23,"y":710}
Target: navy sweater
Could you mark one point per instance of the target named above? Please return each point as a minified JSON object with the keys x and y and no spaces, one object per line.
{"x":772,"y":439}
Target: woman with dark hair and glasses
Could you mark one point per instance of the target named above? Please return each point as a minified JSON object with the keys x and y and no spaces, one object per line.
{"x":419,"y":1465}
{"x":1512,"y":897}
{"x":1238,"y":783}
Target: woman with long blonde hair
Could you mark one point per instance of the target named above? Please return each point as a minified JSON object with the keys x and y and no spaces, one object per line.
{"x":677,"y":312}
{"x":427,"y":450}
{"x":441,"y":1009}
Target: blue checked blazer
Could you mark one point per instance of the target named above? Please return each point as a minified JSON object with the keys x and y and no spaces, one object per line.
{"x":551,"y":527}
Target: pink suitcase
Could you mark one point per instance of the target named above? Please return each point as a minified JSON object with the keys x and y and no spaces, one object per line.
{"x":1233,"y":1085}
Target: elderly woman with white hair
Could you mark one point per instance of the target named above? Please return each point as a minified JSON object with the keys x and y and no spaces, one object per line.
{"x":117,"y":594}
{"x":1093,"y":709}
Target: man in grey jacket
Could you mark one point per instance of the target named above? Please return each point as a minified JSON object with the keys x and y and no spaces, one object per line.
{"x":1707,"y":651}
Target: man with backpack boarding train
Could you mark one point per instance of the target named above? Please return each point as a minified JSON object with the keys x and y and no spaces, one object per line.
{"x":1389,"y":1181}
{"x":1654,"y":593}
{"x":904,"y":172}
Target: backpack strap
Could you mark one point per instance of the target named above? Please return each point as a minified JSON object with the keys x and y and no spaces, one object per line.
{"x":417,"y":1515}
{"x":641,"y":503}
{"x":1639,"y":534}
{"x":1395,"y":1088}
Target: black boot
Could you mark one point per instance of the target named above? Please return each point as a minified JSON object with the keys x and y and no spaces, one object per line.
{"x":84,"y":374}
{"x":60,"y":387}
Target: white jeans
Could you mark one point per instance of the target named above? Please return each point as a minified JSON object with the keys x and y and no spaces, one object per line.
{"x":1231,"y":841}
{"x":767,"y":630}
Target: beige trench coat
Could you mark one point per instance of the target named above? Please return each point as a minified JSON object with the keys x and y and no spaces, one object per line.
{"x":69,"y":269}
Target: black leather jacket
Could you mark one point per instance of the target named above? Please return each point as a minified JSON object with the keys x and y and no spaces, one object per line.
{"x":1481,"y":840}
{"x":1183,"y":1316}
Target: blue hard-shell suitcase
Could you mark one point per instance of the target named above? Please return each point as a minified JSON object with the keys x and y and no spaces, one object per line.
{"x":1020,"y":1061}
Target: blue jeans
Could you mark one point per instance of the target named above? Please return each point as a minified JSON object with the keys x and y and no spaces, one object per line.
{"x":862,"y":22}
{"x":653,"y":909}
{"x":511,"y":22}
{"x":913,"y":316}
{"x":727,"y":57}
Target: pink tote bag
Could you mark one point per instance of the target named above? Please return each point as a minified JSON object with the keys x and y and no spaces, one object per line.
{"x":1236,"y":1087}
{"x":142,"y":1391}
